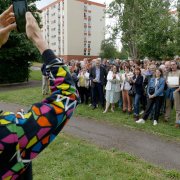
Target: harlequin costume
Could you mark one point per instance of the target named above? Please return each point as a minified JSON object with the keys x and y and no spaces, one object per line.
{"x":24,"y":136}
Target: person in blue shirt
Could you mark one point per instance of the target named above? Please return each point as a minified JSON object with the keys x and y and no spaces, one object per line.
{"x":155,"y":92}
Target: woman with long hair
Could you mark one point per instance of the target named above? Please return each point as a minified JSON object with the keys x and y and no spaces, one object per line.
{"x":155,"y":92}
{"x":112,"y":89}
{"x":137,"y":81}
{"x":125,"y":87}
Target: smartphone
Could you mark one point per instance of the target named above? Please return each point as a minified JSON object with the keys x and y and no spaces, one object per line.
{"x":20,"y":8}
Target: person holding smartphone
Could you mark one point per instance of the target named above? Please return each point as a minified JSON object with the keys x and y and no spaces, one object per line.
{"x":24,"y":135}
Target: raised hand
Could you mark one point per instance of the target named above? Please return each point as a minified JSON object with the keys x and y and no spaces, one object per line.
{"x":7,"y":24}
{"x":34,"y":33}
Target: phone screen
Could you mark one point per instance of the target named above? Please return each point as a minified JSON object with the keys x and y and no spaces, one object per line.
{"x":20,"y":9}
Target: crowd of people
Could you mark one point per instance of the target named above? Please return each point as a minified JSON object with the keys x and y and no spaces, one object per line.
{"x":146,"y":89}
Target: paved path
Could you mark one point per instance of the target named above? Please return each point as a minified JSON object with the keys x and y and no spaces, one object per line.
{"x":149,"y":147}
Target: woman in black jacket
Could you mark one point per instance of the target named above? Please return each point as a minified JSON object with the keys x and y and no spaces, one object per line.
{"x":137,"y":81}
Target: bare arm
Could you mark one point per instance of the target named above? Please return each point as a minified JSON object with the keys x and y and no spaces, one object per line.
{"x":34,"y":33}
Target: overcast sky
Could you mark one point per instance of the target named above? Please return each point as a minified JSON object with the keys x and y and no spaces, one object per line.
{"x":43,"y":3}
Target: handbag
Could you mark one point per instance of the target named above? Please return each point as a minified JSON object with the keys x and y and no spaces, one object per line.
{"x":132,"y":91}
{"x":151,"y":90}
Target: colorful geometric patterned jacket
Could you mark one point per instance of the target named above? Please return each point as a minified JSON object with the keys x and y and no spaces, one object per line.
{"x":24,"y":136}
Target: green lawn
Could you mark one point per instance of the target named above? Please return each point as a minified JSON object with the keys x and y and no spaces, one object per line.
{"x":70,"y":158}
{"x":36,"y":75}
{"x":30,"y":95}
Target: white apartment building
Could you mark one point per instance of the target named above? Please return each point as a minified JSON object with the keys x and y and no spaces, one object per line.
{"x":74,"y":29}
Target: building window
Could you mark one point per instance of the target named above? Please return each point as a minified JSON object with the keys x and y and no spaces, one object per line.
{"x":54,"y":21}
{"x":89,"y":23}
{"x":53,"y":7}
{"x":85,"y":8}
{"x":84,"y":52}
{"x":89,"y":53}
{"x":89,"y":18}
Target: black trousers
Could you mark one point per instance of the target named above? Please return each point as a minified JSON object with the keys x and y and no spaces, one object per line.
{"x":27,"y":175}
{"x":157,"y":103}
{"x":98,"y":94}
{"x":84,"y":94}
{"x":143,"y":101}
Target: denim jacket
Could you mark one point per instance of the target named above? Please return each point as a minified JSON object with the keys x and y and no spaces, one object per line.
{"x":159,"y":87}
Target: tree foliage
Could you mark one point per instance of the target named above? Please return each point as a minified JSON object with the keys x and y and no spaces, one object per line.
{"x":147,"y":27}
{"x":108,"y":50}
{"x":17,"y":52}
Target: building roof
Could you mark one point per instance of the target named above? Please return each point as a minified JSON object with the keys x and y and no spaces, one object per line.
{"x":84,"y":1}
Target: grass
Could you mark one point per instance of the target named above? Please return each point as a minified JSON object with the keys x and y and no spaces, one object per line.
{"x":24,"y":97}
{"x":36,"y":75}
{"x":71,"y":158}
{"x":30,"y":95}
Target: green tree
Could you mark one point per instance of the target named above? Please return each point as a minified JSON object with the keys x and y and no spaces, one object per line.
{"x":123,"y":54}
{"x":147,"y":27}
{"x":108,"y":49}
{"x":177,"y":30}
{"x":16,"y":54}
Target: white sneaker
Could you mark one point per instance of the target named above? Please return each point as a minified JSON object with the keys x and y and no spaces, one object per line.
{"x":155,"y":123}
{"x":140,"y":121}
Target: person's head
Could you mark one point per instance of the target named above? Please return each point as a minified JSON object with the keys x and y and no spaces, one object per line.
{"x":117,"y":61}
{"x":167,"y":66}
{"x":126,"y":68}
{"x":131,"y":63}
{"x":137,"y":62}
{"x":84,"y":69}
{"x":137,"y":71}
{"x":174,"y":65}
{"x":104,"y":61}
{"x":159,"y":73}
{"x":114,"y":69}
{"x":162,"y":66}
{"x":152,"y":68}
{"x":98,"y":63}
{"x":153,"y":62}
